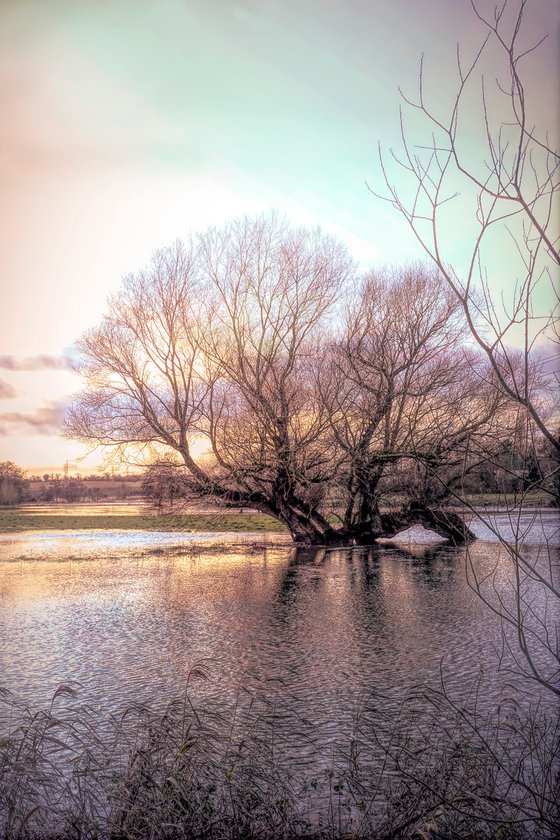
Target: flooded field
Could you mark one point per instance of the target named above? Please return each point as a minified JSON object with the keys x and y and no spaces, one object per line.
{"x":329,"y":642}
{"x":127,"y":614}
{"x":84,"y":508}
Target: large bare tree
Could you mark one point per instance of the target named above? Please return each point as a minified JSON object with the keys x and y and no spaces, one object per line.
{"x":284,"y":383}
{"x":217,"y":340}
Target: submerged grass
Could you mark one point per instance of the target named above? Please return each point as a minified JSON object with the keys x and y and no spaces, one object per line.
{"x":188,"y":550}
{"x":251,"y":768}
{"x":20,"y":520}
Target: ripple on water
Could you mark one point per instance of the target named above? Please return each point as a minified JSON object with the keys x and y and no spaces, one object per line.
{"x":325,"y":628}
{"x":88,"y":544}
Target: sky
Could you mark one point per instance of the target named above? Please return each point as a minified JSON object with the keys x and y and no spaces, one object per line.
{"x":127,"y":123}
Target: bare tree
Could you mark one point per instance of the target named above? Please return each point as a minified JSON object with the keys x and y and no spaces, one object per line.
{"x":235,"y":354}
{"x":12,"y":483}
{"x":508,"y":197}
{"x":274,"y":292}
{"x":163,"y":485}
{"x":407,"y":399}
{"x":216,"y":340}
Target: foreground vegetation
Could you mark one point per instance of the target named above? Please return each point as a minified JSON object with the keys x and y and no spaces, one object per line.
{"x":250,"y":768}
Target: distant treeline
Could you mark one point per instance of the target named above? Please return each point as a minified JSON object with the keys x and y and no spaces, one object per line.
{"x":514,"y":471}
{"x":17,"y":488}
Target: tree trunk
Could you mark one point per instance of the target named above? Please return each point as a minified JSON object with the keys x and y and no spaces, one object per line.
{"x":302,"y":530}
{"x":445,"y":523}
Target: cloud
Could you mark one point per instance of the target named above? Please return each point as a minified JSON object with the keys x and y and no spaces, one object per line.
{"x":6,"y":391}
{"x":46,"y":420}
{"x":41,"y":362}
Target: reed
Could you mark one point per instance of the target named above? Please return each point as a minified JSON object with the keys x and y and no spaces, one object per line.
{"x":249,"y":767}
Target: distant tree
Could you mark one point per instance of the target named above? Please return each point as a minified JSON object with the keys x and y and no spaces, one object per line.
{"x":71,"y":490}
{"x":163,"y":484}
{"x":47,"y":493}
{"x":12,"y":483}
{"x":551,"y":457}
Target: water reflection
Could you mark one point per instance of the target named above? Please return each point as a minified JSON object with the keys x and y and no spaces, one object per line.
{"x":127,"y":618}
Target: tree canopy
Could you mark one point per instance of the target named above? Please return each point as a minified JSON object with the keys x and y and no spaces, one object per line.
{"x":12,"y":483}
{"x":286,"y":382}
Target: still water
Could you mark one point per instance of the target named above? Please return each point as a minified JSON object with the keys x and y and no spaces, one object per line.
{"x":126,"y":615}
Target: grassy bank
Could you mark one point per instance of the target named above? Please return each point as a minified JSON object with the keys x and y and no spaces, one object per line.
{"x":23,"y":519}
{"x":537,"y":499}
{"x":20,"y":520}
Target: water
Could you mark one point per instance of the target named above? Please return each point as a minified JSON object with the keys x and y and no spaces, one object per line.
{"x":127,"y":614}
{"x":309,"y":654}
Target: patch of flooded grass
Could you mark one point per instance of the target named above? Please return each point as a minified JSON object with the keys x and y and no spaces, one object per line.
{"x":20,"y":520}
{"x":168,"y":552}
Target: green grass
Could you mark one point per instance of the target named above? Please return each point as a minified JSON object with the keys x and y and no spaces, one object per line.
{"x":539,"y":498}
{"x":19,"y":520}
{"x":536,"y":499}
